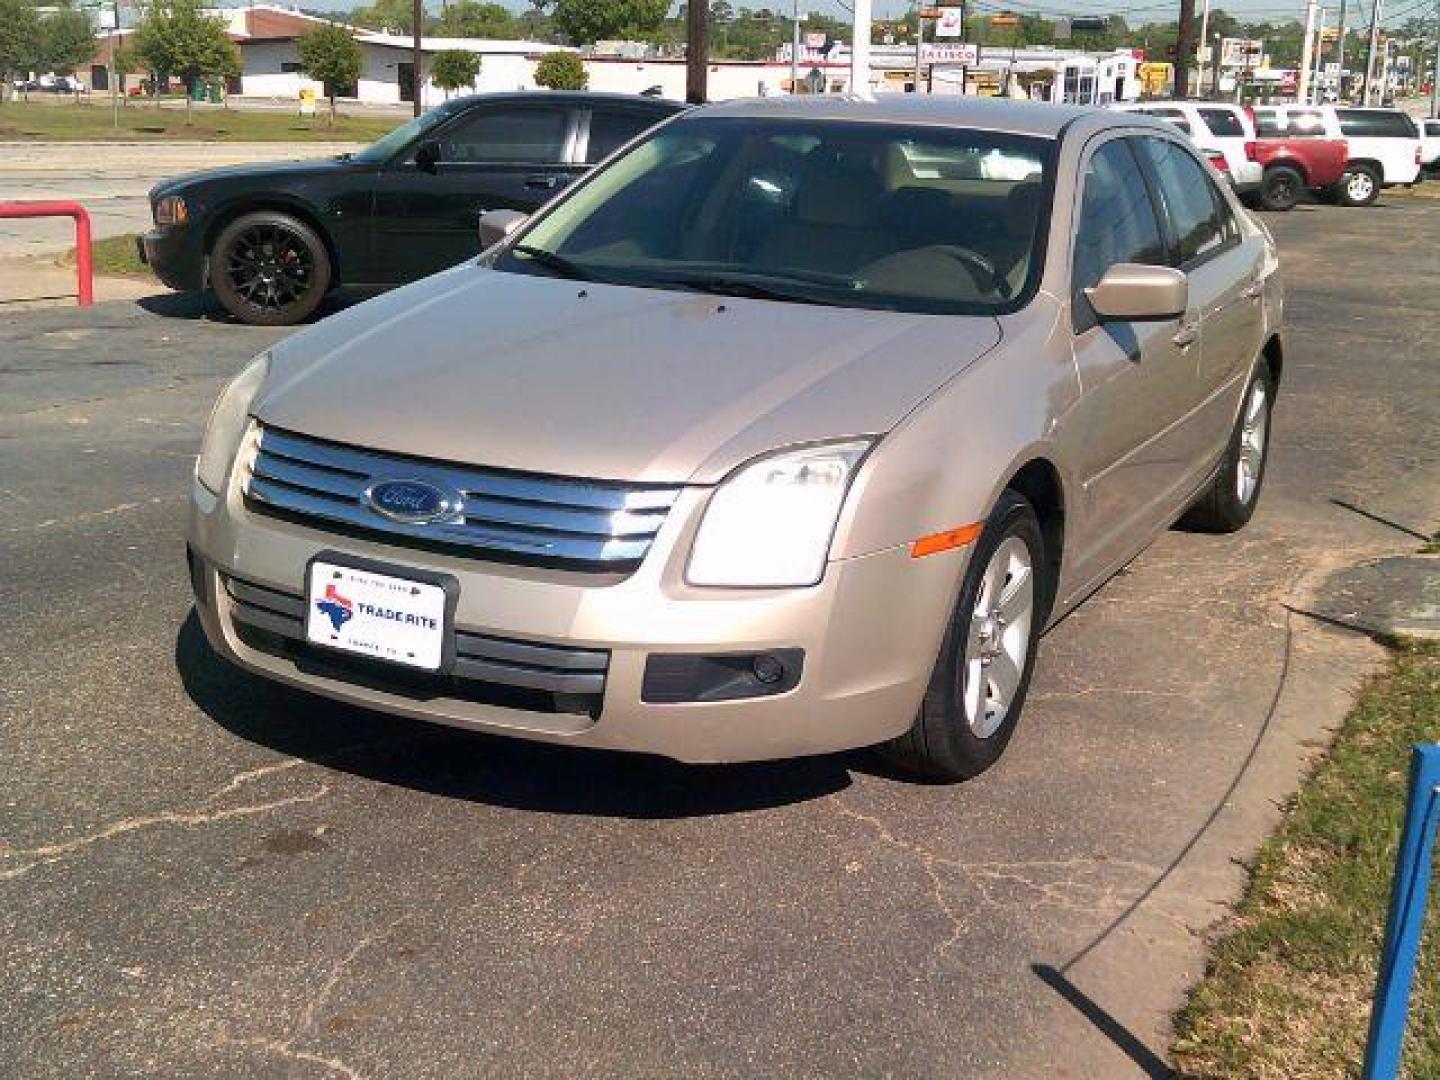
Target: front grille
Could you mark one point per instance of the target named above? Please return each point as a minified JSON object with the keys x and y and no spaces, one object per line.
{"x":518,"y":674}
{"x":515,"y":517}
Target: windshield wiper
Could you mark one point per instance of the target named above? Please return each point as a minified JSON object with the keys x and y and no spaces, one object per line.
{"x":559,"y":264}
{"x":736,"y":285}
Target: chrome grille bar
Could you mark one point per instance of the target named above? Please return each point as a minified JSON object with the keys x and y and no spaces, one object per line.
{"x":597,"y":524}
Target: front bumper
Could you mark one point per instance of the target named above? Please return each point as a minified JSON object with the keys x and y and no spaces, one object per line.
{"x":870,"y":632}
{"x":1247,"y":176}
{"x":175,"y":255}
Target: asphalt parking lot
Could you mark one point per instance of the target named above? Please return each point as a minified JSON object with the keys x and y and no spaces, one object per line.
{"x":202,"y":874}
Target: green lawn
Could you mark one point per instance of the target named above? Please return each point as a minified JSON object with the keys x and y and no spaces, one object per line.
{"x":1287,"y":994}
{"x":49,"y":121}
{"x":114,"y":256}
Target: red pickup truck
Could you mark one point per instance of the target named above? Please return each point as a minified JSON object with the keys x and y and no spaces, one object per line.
{"x":1294,"y":160}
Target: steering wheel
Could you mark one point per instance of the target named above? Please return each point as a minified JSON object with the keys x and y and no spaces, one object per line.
{"x":973,"y":260}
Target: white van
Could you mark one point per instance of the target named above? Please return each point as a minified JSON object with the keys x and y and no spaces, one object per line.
{"x":1385,"y":147}
{"x":1213,"y":125}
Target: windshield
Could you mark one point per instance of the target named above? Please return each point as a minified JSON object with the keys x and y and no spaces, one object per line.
{"x":387,"y":146}
{"x":854,"y":214}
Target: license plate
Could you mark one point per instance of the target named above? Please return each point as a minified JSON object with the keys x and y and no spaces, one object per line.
{"x":376,"y":615}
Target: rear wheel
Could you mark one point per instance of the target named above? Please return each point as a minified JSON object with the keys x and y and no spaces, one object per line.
{"x":978,"y":686}
{"x":269,"y":268}
{"x":1280,"y":188}
{"x":1360,"y":186}
{"x":1230,"y":500}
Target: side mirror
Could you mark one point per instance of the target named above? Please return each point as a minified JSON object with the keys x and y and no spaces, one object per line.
{"x":427,"y":155}
{"x":496,"y":225}
{"x":1132,"y":292}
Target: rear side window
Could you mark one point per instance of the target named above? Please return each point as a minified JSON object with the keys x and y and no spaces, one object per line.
{"x":1375,"y":124}
{"x":1269,"y":125}
{"x":1305,"y":123}
{"x":1175,"y":116}
{"x":611,"y":129}
{"x":1223,"y":123}
{"x":1432,"y":128}
{"x":1195,"y":209}
{"x":1118,"y":222}
{"x":534,"y":135}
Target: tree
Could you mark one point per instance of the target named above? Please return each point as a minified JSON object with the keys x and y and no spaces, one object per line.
{"x":19,"y":41}
{"x":561,"y":70}
{"x":454,"y":69}
{"x":332,"y":56}
{"x":67,"y":40}
{"x":585,"y":22}
{"x":395,"y":16}
{"x":477,"y":19}
{"x":176,"y":37}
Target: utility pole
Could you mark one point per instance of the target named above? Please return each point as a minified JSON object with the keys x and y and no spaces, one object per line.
{"x":1340,"y":41}
{"x":1183,"y":49}
{"x":1319,"y":56}
{"x":795,"y":47}
{"x":1435,"y":77}
{"x":1204,"y":44}
{"x":417,"y":55}
{"x":1376,"y":7}
{"x":697,"y":51}
{"x":860,"y":49}
{"x":919,"y":43}
{"x":1302,"y":90}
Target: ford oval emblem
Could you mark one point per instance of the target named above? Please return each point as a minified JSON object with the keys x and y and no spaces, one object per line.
{"x":414,"y":502}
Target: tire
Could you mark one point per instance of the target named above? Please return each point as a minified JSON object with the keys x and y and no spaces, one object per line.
{"x":1280,"y":188}
{"x":1360,"y":186}
{"x":269,"y":269}
{"x":960,"y":730}
{"x":1230,"y":500}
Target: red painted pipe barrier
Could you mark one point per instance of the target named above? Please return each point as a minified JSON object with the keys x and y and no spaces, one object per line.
{"x":84,"y":268}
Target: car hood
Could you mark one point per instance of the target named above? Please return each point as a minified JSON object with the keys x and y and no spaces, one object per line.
{"x":608,"y":382}
{"x":250,"y":173}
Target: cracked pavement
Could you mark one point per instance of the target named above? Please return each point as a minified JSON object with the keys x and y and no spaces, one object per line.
{"x":202,"y":874}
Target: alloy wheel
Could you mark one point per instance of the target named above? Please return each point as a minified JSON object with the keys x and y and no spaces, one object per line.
{"x":270,"y":266}
{"x":998,"y":640}
{"x":1254,"y":430}
{"x":1359,"y":186}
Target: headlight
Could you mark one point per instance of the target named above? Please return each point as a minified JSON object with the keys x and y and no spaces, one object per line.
{"x":227,"y":425}
{"x":770,"y":524}
{"x":170,"y":210}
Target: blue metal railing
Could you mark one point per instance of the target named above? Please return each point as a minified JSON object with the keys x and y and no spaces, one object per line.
{"x":1401,"y":953}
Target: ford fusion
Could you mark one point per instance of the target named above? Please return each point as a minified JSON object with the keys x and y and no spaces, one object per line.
{"x":788,"y":430}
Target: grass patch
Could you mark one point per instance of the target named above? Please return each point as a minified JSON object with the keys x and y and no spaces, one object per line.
{"x":1287,"y":994}
{"x":114,"y":256}
{"x":50,"y":122}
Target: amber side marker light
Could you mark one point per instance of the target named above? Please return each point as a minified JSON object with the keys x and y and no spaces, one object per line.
{"x":945,"y":541}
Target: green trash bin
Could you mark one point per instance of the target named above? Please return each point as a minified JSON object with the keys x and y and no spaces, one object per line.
{"x":215,"y":95}
{"x":197,"y":91}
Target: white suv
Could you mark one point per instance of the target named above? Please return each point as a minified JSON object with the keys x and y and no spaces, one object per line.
{"x":1213,"y":125}
{"x":1429,"y":144}
{"x":1384,"y":146}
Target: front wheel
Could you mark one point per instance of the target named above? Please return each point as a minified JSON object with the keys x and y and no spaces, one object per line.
{"x":269,"y":269}
{"x":1360,"y":186}
{"x":978,"y":685}
{"x":1281,"y":187}
{"x":1230,"y":500}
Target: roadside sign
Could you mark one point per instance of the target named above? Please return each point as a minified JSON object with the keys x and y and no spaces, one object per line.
{"x":1332,"y":69}
{"x":815,"y":41}
{"x":951,"y":22}
{"x":966,"y":53}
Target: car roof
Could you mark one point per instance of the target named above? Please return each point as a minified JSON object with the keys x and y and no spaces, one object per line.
{"x":566,"y":97}
{"x":987,"y":114}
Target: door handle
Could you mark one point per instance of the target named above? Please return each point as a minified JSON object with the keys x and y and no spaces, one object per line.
{"x":544,"y":182}
{"x":1187,"y":335}
{"x":1255,"y":291}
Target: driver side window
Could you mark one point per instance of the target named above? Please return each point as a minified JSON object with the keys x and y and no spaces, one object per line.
{"x":1117,"y":223}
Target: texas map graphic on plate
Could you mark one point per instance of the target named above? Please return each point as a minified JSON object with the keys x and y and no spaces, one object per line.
{"x":337,"y":607}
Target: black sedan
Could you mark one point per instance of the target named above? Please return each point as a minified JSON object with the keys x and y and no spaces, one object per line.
{"x":271,"y":240}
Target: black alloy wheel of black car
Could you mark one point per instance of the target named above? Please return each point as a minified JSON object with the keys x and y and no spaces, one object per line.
{"x":269,"y":269}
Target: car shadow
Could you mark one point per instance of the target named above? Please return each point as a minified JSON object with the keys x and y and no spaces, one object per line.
{"x":510,"y":773}
{"x":196,"y":306}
